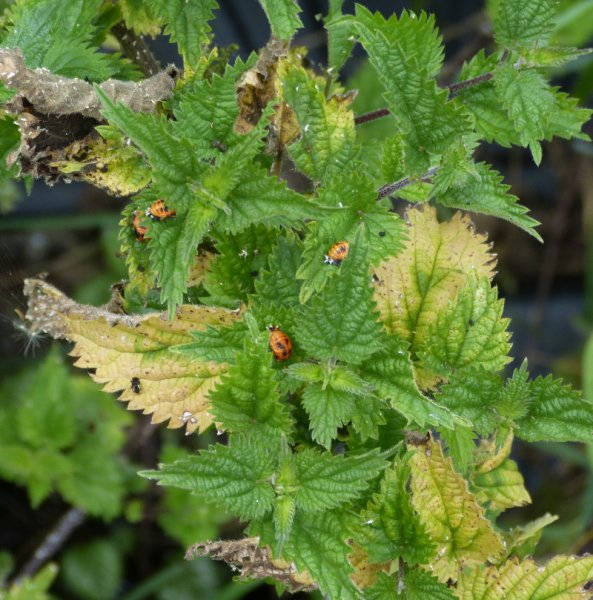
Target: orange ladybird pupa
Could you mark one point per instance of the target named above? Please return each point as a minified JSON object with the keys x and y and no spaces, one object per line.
{"x":157,"y":211}
{"x":138,"y":227}
{"x":280,"y":343}
{"x":337,"y":253}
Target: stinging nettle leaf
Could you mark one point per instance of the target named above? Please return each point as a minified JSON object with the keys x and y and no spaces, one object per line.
{"x":283,"y":16}
{"x":451,"y":514}
{"x":469,"y":332}
{"x":438,"y":258}
{"x":485,"y":193}
{"x":556,"y":412}
{"x":326,"y":482}
{"x":235,"y":477}
{"x":328,"y":410}
{"x":186,"y":21}
{"x":407,"y":54}
{"x":501,"y":488}
{"x":528,"y":100}
{"x":246,"y":396}
{"x":524,"y":23}
{"x":391,"y":373}
{"x":326,"y":145}
{"x":391,"y":526}
{"x":561,"y":577}
{"x":341,"y":322}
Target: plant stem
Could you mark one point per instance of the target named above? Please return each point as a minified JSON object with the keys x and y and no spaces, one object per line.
{"x":390,"y":188}
{"x":136,"y":49}
{"x":454,"y":90}
{"x":52,"y":542}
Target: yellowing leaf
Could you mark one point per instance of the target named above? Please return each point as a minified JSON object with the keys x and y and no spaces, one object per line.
{"x":170,"y":386}
{"x":412,"y":287}
{"x":562,"y":578}
{"x":502,"y":487}
{"x":451,"y":514}
{"x":365,"y":574}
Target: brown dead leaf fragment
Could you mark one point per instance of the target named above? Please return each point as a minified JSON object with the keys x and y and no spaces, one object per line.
{"x":258,"y":85}
{"x":119,"y":348}
{"x":253,"y":562}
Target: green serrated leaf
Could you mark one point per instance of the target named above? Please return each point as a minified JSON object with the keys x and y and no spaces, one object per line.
{"x":473,"y":394}
{"x":170,"y":155}
{"x":341,"y":322}
{"x":416,"y":584}
{"x":515,"y":398}
{"x":278,"y":284}
{"x":524,"y":23}
{"x":484,"y":192}
{"x":392,"y":374}
{"x":391,"y":527}
{"x":206,"y":109}
{"x":326,"y":146}
{"x":219,"y":344}
{"x":233,"y":271}
{"x":283,"y":16}
{"x":58,"y":36}
{"x":556,"y":412}
{"x":469,"y":333}
{"x":355,"y":198}
{"x":528,"y":99}
{"x":235,"y":477}
{"x":328,"y":410}
{"x":258,"y":198}
{"x":317,"y":544}
{"x":407,"y":53}
{"x":460,"y":442}
{"x":567,"y":119}
{"x":339,"y":42}
{"x":326,"y":482}
{"x":247,"y":396}
{"x":492,"y":121}
{"x":552,"y":56}
{"x":172,"y":251}
{"x":186,"y":21}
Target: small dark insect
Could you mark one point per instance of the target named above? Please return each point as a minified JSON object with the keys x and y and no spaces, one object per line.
{"x":254,"y":273}
{"x":382,"y":234}
{"x":471,"y":322}
{"x":138,"y":228}
{"x":280,"y":343}
{"x":337,"y":253}
{"x":135,"y":382}
{"x":159,"y":212}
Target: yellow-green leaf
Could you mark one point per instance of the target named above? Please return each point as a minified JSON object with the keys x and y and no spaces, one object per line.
{"x":451,"y":514}
{"x":414,"y":286}
{"x":562,"y":578}
{"x":502,"y":487}
{"x":170,"y":386}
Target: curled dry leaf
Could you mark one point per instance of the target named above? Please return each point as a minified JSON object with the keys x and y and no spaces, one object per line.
{"x":253,"y":562}
{"x":53,"y":94}
{"x":121,"y":347}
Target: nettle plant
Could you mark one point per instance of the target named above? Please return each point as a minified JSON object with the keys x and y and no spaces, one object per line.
{"x":351,"y":359}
